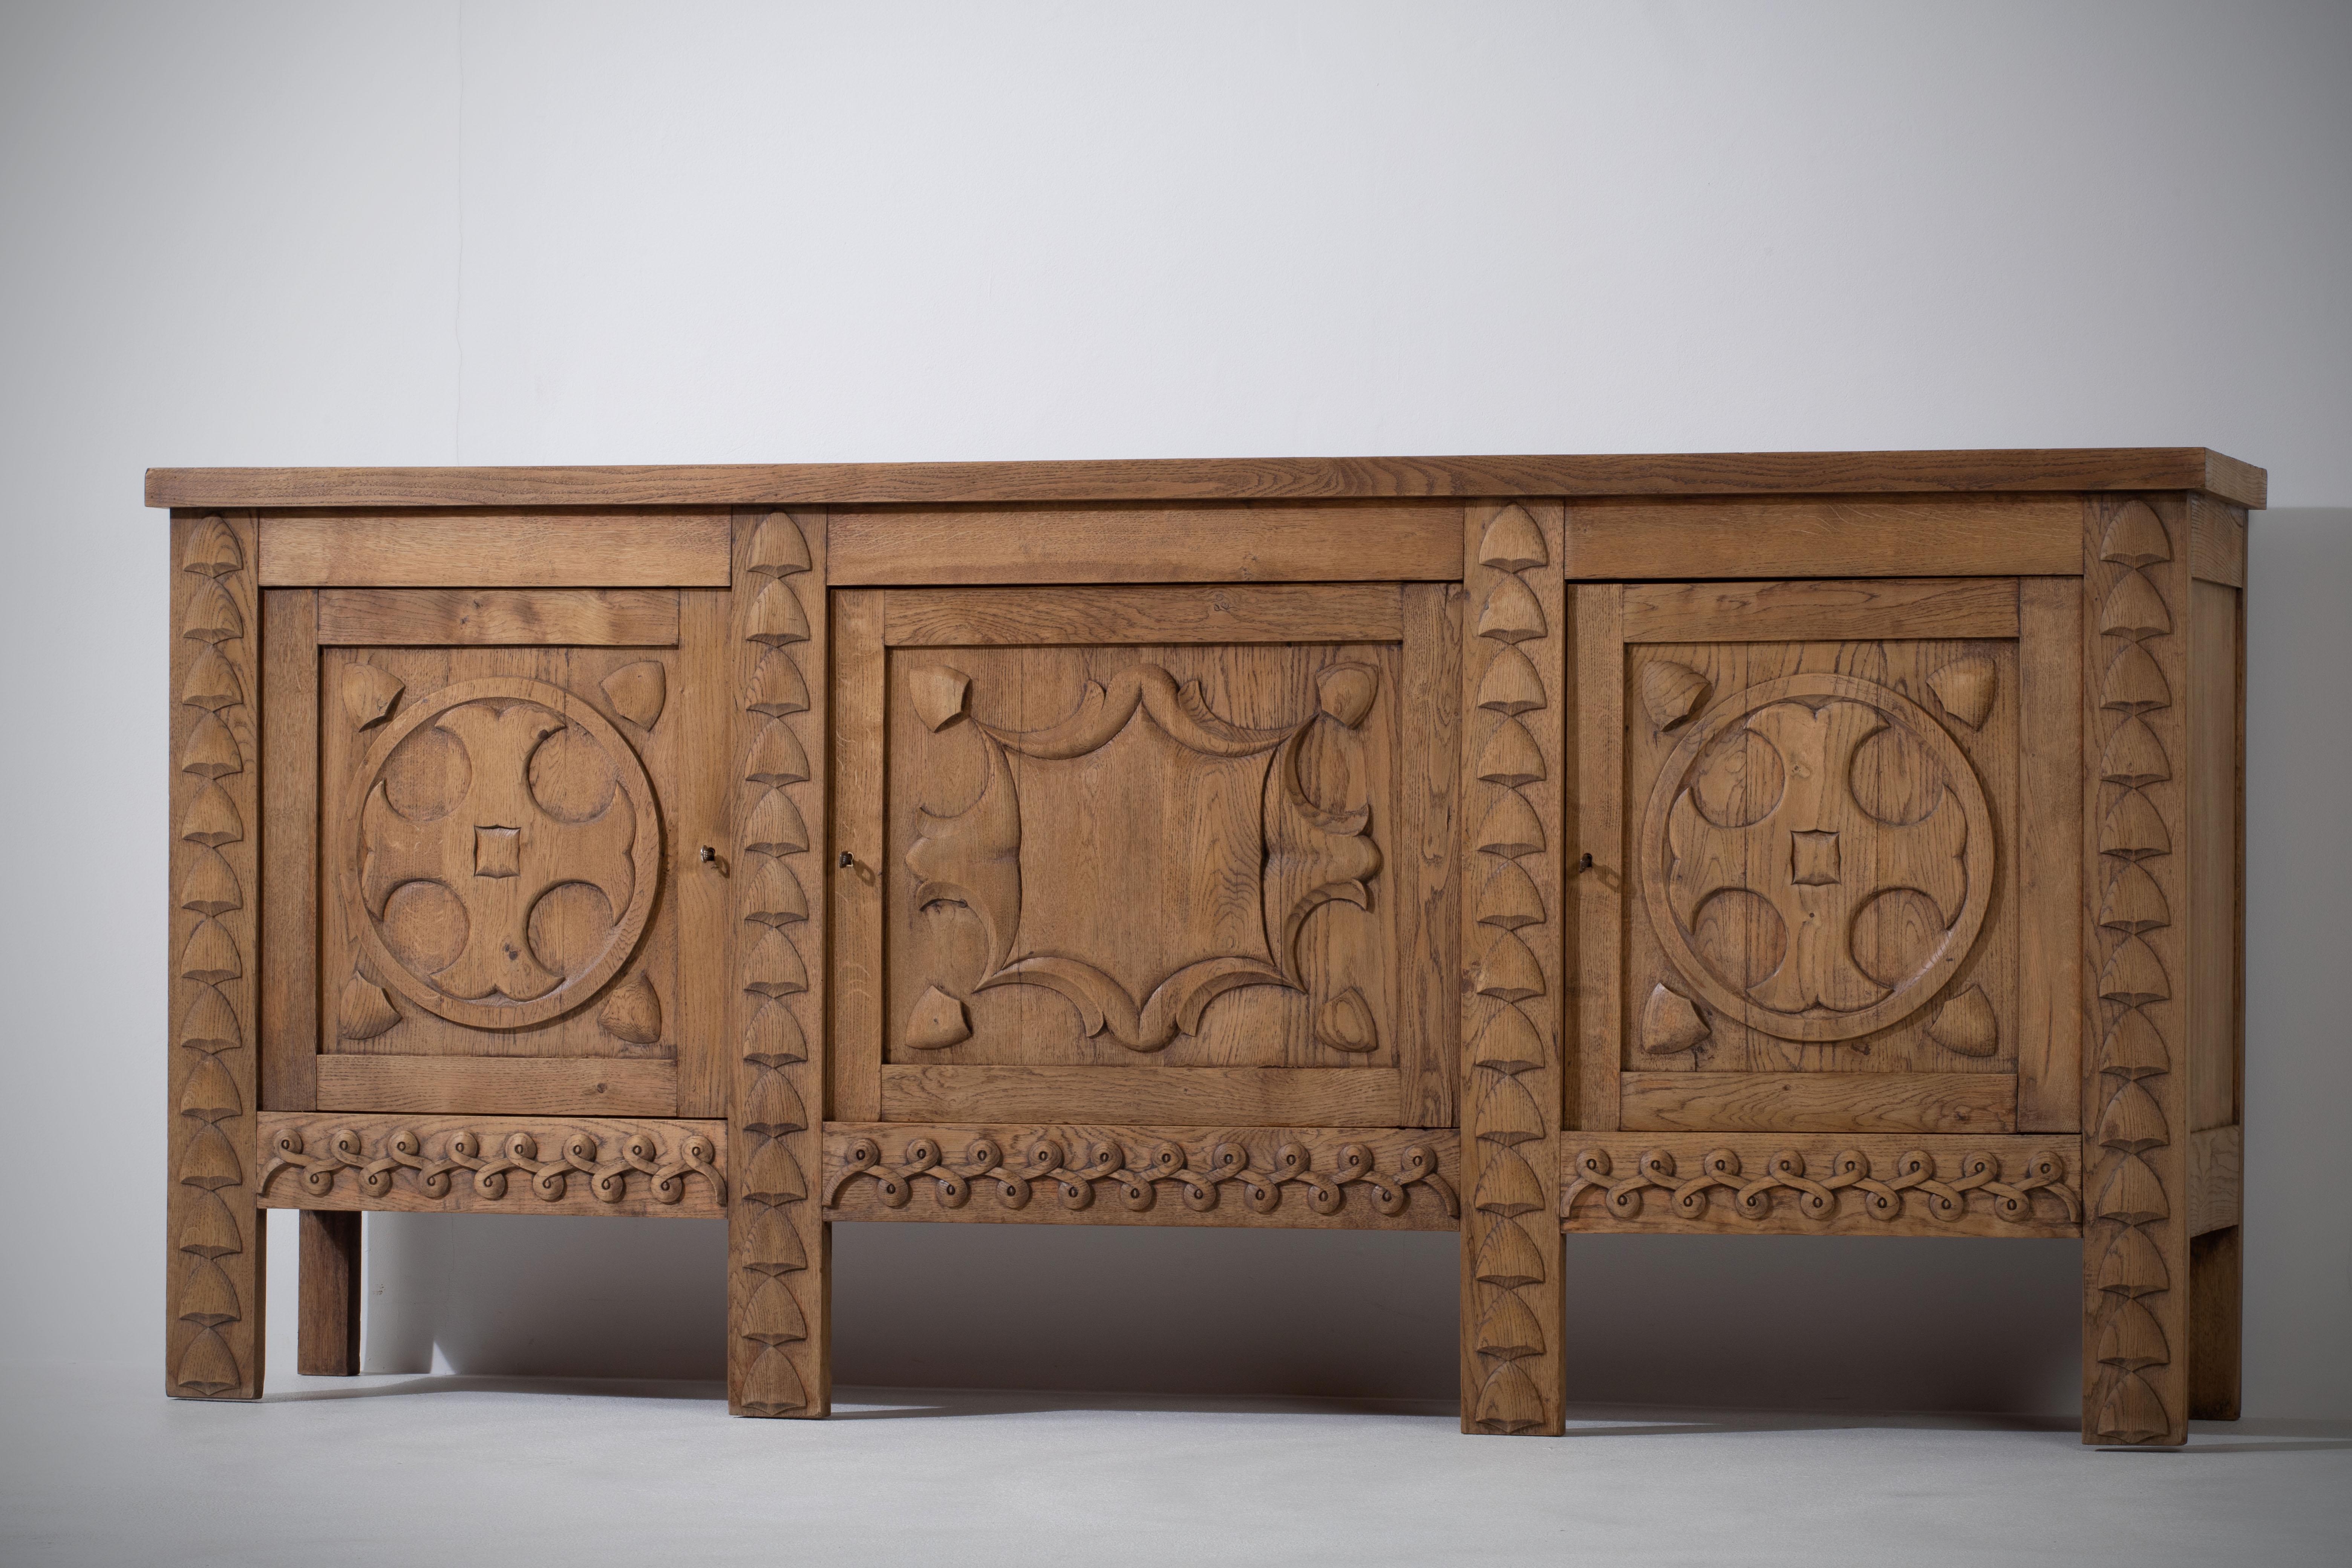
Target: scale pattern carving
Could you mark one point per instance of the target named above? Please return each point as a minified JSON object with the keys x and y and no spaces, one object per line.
{"x":1010,"y":1166}
{"x":2136,"y":1241}
{"x":776,"y":1354}
{"x":428,"y":1158}
{"x":213,"y":1347}
{"x":1512,"y":1097}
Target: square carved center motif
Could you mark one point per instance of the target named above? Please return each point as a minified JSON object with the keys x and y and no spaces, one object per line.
{"x":1144,"y":856}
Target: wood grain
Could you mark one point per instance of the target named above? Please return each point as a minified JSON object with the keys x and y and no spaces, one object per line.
{"x":1818,"y":1101}
{"x":2217,"y":1163}
{"x":289,"y":849}
{"x":778,"y":1249}
{"x":495,"y":549}
{"x":1334,"y":1178}
{"x":2050,"y":856}
{"x":1149,"y":544}
{"x":1817,"y":1184}
{"x":1238,"y":1097}
{"x":1186,"y":478}
{"x":2216,"y":1323}
{"x":497,"y":1086}
{"x":1598,"y":937}
{"x":703,"y":708}
{"x":1867,"y":607}
{"x":632,"y":1168}
{"x":858,"y":787}
{"x":1425,"y":856}
{"x":326,"y":1344}
{"x":1515,"y":1004}
{"x":1225,"y":613}
{"x":216,"y":1267}
{"x":2217,"y":541}
{"x":1997,"y":536}
{"x":2216,"y":769}
{"x":606,"y":617}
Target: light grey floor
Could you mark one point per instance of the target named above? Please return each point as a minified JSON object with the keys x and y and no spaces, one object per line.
{"x":97,"y":1468}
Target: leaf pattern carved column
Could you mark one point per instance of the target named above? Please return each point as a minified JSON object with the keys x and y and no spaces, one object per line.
{"x":2136,"y":1238}
{"x":213,"y":1336}
{"x":1513,"y":1310}
{"x":778,"y":1350}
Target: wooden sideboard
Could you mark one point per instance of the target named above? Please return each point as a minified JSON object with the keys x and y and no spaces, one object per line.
{"x":1783,"y":843}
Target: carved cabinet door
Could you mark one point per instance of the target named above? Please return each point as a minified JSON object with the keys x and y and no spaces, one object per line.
{"x":1175,"y":854}
{"x":508,"y":791}
{"x":1834,"y":857}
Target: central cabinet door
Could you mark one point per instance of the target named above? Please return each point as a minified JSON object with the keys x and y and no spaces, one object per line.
{"x":1146,"y":855}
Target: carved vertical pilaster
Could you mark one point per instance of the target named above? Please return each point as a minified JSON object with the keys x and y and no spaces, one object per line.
{"x":2135,"y":1239}
{"x":213,"y":1335}
{"x":1513,"y":671}
{"x":778,"y":1353}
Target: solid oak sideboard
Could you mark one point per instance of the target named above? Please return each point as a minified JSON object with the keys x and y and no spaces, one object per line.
{"x":1757,"y":843}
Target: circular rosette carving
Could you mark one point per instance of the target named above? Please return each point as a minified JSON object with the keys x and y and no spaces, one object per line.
{"x":1817,"y":855}
{"x":504,"y":854}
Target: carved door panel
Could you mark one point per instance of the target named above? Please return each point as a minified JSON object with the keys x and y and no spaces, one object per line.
{"x":499,"y":839}
{"x":1146,"y":855}
{"x":1836,"y":837}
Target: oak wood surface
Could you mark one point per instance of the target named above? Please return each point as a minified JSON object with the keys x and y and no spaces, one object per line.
{"x":495,"y":549}
{"x":1196,"y":1096}
{"x":289,"y":1039}
{"x":215,"y":1266}
{"x":1426,"y":856}
{"x":1794,"y":611}
{"x":1515,"y":1004}
{"x":2050,"y":856}
{"x":1820,"y":1184}
{"x":503,"y":1086}
{"x":326,"y":1344}
{"x":854,"y":1090}
{"x":1818,"y":1101}
{"x":1597,"y":936}
{"x":1225,"y":612}
{"x":1337,"y":1178}
{"x":609,"y":617}
{"x":778,"y":1249}
{"x":2216,"y":1323}
{"x":1148,"y":544}
{"x":634,"y":1167}
{"x":2215,"y":852}
{"x":2136,"y":1282}
{"x":1185,"y":479}
{"x":1977,"y":536}
{"x":704,"y":704}
{"x":2217,"y":541}
{"x":2217,"y":1165}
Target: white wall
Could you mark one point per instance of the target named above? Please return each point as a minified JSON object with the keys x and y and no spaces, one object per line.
{"x":487,"y":233}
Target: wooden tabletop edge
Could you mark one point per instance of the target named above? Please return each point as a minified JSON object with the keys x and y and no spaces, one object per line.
{"x":1583,"y":476}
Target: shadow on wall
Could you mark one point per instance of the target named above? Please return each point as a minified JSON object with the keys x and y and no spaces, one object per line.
{"x":1862,"y":1323}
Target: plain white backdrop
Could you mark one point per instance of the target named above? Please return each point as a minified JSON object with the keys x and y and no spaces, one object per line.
{"x":512,"y":233}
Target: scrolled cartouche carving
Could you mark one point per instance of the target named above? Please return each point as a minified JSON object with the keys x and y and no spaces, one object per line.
{"x":430,"y":1162}
{"x":1918,"y":1174}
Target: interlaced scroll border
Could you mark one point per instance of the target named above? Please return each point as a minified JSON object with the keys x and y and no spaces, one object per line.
{"x":579,"y":1153}
{"x":1886,"y":1199}
{"x":1073,"y":1166}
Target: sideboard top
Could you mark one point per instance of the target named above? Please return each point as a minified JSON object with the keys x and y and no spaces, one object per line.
{"x":1230,"y":478}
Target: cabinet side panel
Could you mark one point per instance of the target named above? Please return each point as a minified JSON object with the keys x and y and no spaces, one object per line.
{"x":214,"y":1268}
{"x":1428,"y":1001}
{"x":2216,"y":819}
{"x":1513,"y":1308}
{"x":778,"y":1349}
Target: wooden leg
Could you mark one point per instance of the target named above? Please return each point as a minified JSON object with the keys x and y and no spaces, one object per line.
{"x":329,"y":1342}
{"x":2214,"y":1319}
